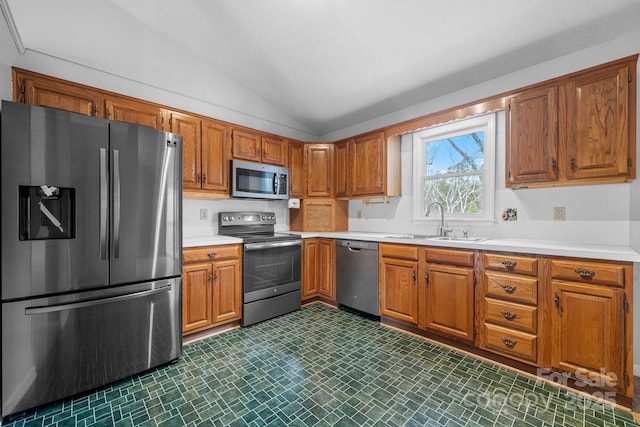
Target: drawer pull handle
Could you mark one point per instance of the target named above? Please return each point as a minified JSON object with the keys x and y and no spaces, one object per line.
{"x":212,"y":254}
{"x":508,"y":315}
{"x":508,"y":342}
{"x":508,"y":288}
{"x":509,"y":265}
{"x":585,"y":274}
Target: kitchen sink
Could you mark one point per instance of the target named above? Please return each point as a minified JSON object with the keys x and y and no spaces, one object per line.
{"x":459,"y":239}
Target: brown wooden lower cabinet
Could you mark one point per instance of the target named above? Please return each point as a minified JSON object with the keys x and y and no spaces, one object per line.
{"x":319,"y":269}
{"x":569,"y":316}
{"x":211,"y":287}
{"x":591,"y":320}
{"x":398,"y":275}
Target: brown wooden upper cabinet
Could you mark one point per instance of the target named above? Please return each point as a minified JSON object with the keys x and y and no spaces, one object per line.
{"x":296,"y":169}
{"x":319,"y":170}
{"x":577,"y":129}
{"x":342,"y":169}
{"x":259,"y":148}
{"x":58,"y":94}
{"x":368,"y":165}
{"x":205,"y":160}
{"x":134,"y":111}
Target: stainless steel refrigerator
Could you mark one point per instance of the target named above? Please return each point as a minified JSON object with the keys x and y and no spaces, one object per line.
{"x":91,"y":252}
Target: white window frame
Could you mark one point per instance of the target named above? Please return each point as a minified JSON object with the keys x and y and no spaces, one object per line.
{"x":485,"y":123}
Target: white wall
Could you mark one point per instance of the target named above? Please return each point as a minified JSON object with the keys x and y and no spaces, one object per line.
{"x":596,"y":214}
{"x":193,"y":226}
{"x":9,"y":56}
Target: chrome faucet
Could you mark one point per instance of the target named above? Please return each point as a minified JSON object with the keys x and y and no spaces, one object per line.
{"x":443,"y":230}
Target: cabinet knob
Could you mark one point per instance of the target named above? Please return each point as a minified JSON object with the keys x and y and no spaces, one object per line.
{"x":204,"y":178}
{"x":413,"y":275}
{"x":509,"y":342}
{"x":212,"y":254}
{"x":508,"y":288}
{"x":210,"y":277}
{"x":508,"y":315}
{"x":585,"y":274}
{"x":509,"y":265}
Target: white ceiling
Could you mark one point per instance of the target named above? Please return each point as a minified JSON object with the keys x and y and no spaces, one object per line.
{"x":328,"y":64}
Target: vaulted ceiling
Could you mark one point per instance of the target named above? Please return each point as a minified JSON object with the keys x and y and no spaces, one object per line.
{"x":327,"y":64}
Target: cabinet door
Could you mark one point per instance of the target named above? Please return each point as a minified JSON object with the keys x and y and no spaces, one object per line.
{"x":342,"y":169}
{"x":327,"y":268}
{"x":137,"y":112}
{"x":274,"y":151}
{"x":310,"y":248}
{"x":189,"y":128}
{"x":588,"y":332}
{"x":398,"y":289}
{"x":598,"y":120}
{"x":48,"y":93}
{"x":246,"y":145}
{"x":368,"y":160}
{"x":319,"y":170}
{"x":227,"y":291}
{"x":215,"y":156}
{"x":197,"y":310}
{"x":296,"y":169}
{"x":449,"y":301}
{"x":532,"y":137}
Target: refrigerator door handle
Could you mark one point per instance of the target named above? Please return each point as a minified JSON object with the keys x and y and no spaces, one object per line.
{"x":82,"y":304}
{"x":116,"y":203}
{"x":104,"y":201}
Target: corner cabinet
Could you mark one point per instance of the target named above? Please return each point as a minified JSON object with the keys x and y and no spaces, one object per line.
{"x":319,"y":170}
{"x":319,"y":269}
{"x":398,"y":275}
{"x":211,"y":288}
{"x":577,"y":129}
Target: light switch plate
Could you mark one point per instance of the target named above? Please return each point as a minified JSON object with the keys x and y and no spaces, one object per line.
{"x":204,"y":214}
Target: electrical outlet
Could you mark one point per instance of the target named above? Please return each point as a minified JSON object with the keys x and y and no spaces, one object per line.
{"x":359,"y":214}
{"x":559,"y":213}
{"x":204,"y":214}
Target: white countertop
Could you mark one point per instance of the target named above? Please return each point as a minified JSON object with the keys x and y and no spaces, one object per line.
{"x":538,"y":247}
{"x":210,"y":240}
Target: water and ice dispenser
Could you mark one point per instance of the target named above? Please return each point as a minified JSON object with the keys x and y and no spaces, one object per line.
{"x":46,"y":212}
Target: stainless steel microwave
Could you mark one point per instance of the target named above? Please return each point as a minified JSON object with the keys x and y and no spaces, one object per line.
{"x":258,"y":180}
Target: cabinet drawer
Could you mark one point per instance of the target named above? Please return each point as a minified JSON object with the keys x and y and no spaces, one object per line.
{"x":511,"y":315}
{"x":511,"y":287}
{"x":511,"y":343}
{"x":589,"y":272}
{"x":210,"y":253}
{"x":514,"y":264}
{"x":445,"y":256}
{"x":398,"y":251}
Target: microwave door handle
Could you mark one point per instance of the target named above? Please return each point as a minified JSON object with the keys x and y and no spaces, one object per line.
{"x":276,"y":183}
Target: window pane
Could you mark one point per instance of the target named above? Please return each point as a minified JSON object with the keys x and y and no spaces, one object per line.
{"x":464,"y":153}
{"x":458,"y":195}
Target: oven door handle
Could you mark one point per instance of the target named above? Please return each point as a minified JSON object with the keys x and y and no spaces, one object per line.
{"x":269,"y":245}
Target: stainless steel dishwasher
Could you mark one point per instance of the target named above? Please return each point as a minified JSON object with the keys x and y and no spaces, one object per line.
{"x":357,"y":275}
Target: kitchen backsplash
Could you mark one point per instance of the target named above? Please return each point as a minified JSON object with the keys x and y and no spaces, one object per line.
{"x":193,"y":226}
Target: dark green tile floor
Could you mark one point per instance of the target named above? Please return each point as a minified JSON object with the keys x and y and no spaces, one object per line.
{"x":321,"y":366}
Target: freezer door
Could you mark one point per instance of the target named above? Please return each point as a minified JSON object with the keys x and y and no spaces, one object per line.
{"x":146,"y":193}
{"x":53,"y":239}
{"x":60,"y":346}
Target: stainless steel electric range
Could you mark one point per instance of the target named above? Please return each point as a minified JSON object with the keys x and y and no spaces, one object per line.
{"x":271,"y":265}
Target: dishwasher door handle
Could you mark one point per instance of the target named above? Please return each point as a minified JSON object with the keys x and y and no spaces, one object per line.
{"x":354,"y":249}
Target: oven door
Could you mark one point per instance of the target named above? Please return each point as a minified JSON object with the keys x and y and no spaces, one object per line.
{"x":271,"y":269}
